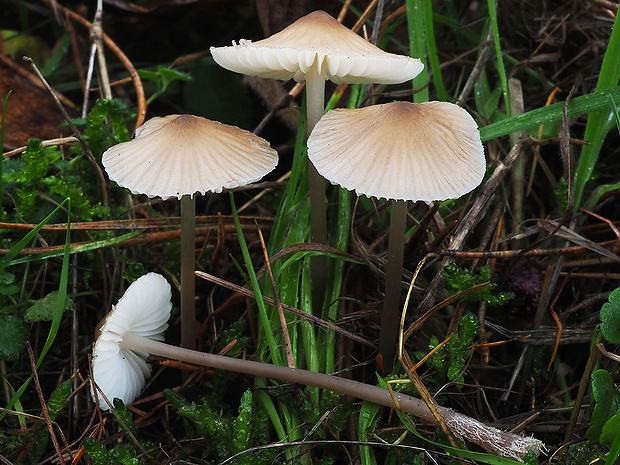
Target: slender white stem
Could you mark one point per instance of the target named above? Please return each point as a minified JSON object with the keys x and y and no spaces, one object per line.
{"x":492,"y":439}
{"x":393,"y":284}
{"x":315,"y":95}
{"x":188,"y":301}
{"x":315,"y":107}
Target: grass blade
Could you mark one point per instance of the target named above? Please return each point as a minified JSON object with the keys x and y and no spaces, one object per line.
{"x":60,"y":301}
{"x":545,"y":115}
{"x":598,"y":122}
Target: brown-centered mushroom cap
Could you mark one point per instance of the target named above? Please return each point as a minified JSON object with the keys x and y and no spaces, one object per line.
{"x":317,"y":39}
{"x":178,"y":155}
{"x":402,"y":151}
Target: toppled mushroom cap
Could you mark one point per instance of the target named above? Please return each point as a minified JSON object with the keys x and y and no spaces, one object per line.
{"x":402,"y":151}
{"x":144,"y":310}
{"x":317,"y":39}
{"x":178,"y":155}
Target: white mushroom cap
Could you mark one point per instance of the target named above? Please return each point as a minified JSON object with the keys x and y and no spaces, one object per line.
{"x":178,"y":155}
{"x":144,"y":310}
{"x":317,"y":39}
{"x":406,"y":151}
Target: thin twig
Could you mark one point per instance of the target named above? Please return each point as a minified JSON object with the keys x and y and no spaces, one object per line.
{"x":137,"y":82}
{"x":46,"y":413}
{"x":311,"y":318}
{"x":44,"y":143}
{"x":287,"y":339}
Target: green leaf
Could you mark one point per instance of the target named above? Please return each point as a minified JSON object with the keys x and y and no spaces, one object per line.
{"x":611,"y":430}
{"x":610,"y":318}
{"x":147,"y":75}
{"x":169,"y":75}
{"x":125,"y":416}
{"x":59,"y":398}
{"x":14,"y":336}
{"x":607,"y":397}
{"x":43,"y":309}
{"x":97,"y":452}
{"x":242,"y":427}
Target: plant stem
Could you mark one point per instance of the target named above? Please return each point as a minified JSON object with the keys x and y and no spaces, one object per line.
{"x":490,"y":438}
{"x":394,"y":270}
{"x":188,"y":303}
{"x":315,"y":104}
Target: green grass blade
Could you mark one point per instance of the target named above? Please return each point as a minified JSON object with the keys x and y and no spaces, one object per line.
{"x":597,"y":127}
{"x":598,"y":193}
{"x":13,"y":251}
{"x":417,"y":46}
{"x":431,"y":47}
{"x":545,"y":115}
{"x":79,"y":248}
{"x":58,"y":309}
{"x":498,"y":51}
{"x":262,"y":309}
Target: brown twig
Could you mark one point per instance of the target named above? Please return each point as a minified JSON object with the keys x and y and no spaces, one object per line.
{"x":311,"y":318}
{"x":276,"y":298}
{"x":581,"y":393}
{"x":137,"y":82}
{"x":46,"y":413}
{"x":44,"y":143}
{"x":475,"y":215}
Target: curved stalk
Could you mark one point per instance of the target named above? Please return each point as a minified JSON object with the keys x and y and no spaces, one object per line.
{"x":490,"y":438}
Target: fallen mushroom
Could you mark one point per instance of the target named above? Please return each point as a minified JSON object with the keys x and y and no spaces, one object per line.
{"x":179,"y":156}
{"x":317,"y":48}
{"x":134,"y":328}
{"x":399,"y":151}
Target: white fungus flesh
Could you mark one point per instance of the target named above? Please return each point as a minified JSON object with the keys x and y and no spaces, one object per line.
{"x":317,"y":40}
{"x":400,"y":151}
{"x":178,"y":155}
{"x":143,"y":310}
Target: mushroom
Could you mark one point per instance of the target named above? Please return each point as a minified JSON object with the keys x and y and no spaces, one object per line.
{"x":145,"y":308}
{"x":179,"y":156}
{"x":134,"y":329}
{"x":316,"y":48}
{"x":399,"y":151}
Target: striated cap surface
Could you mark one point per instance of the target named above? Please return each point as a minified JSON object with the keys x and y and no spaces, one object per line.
{"x":400,"y":150}
{"x":178,"y":155}
{"x":144,"y":310}
{"x":318,"y":40}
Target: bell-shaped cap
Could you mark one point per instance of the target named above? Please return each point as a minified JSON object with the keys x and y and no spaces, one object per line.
{"x":400,"y":150}
{"x":317,"y":39}
{"x":143,"y":310}
{"x":178,"y":155}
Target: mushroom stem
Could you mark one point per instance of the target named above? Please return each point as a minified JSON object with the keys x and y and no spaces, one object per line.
{"x":488,"y":437}
{"x":188,"y":301}
{"x":315,"y":107}
{"x":393,"y":287}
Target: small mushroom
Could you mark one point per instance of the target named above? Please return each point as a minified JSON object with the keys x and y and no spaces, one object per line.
{"x":400,"y":151}
{"x":317,"y":48}
{"x":179,"y":156}
{"x":144,"y":310}
{"x":134,"y":328}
